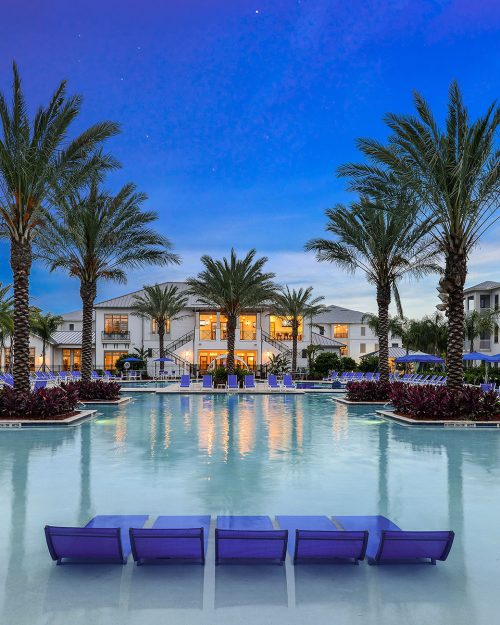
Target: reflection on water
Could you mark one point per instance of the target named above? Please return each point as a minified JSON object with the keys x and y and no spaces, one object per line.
{"x":248,"y":455}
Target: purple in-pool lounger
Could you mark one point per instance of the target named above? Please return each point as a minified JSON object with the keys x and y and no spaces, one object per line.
{"x":104,"y":539}
{"x":387,"y":543}
{"x":172,"y":538}
{"x":249,"y":539}
{"x":316,"y":539}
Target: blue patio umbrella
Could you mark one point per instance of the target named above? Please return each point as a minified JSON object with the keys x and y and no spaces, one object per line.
{"x":429,"y":358}
{"x":164,"y":359}
{"x":132,"y":359}
{"x":481,"y":357}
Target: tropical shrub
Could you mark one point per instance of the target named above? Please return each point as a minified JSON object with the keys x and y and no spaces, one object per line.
{"x":95,"y":390}
{"x":439,"y":403}
{"x":42,"y":404}
{"x":348,"y":364}
{"x":368,"y":363}
{"x":134,"y":366}
{"x":278,"y":364}
{"x":368,"y":391}
{"x":326,"y":362}
{"x":220,"y":374}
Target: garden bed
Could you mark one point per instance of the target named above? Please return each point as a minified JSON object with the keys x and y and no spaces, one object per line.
{"x":64,"y":420}
{"x":446,"y":423}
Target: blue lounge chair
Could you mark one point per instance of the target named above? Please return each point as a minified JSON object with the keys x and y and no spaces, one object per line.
{"x":109,"y":376}
{"x":207,"y":381}
{"x":232,"y":382}
{"x":249,"y":539}
{"x":357,"y":377}
{"x":272,"y":382}
{"x":172,"y":538}
{"x":104,"y":539}
{"x":185,"y":381}
{"x":486,"y":388}
{"x":6,"y":380}
{"x":38,"y":385}
{"x":65,"y":376}
{"x":377,"y":376}
{"x":76,"y":375}
{"x":249,"y":381}
{"x":95,"y":376}
{"x":288,"y":383}
{"x":369,"y":375}
{"x":316,"y":539}
{"x":387,"y":543}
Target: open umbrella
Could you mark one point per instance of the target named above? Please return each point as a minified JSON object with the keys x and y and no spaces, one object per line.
{"x":164,"y":359}
{"x":132,"y":359}
{"x":483,"y":358}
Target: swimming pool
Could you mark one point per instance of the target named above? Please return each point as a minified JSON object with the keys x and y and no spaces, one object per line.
{"x":248,"y":454}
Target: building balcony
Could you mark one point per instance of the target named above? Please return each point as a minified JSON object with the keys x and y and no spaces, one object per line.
{"x":115,"y":336}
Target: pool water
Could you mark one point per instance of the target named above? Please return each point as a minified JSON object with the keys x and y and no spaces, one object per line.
{"x":246,"y":454}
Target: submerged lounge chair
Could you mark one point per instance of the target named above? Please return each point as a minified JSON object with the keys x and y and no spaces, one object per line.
{"x":249,"y":539}
{"x":288,"y":383}
{"x":185,"y":381}
{"x":207,"y":381}
{"x":272,"y":382}
{"x":232,"y":382}
{"x":249,"y":381}
{"x":316,"y":539}
{"x":172,"y":538}
{"x":103,"y":539}
{"x":387,"y":543}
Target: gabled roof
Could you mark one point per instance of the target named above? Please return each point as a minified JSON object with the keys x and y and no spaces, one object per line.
{"x":127,"y":300}
{"x":75,"y":315}
{"x":395,"y":352}
{"x":325,"y":341}
{"x":338,"y":314}
{"x":73,"y":337}
{"x":487,"y":285}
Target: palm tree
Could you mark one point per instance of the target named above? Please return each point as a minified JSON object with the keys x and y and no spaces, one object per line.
{"x":160,"y":304}
{"x":295,"y":306}
{"x":477,"y":323}
{"x":311,"y":353}
{"x":454,"y":172}
{"x":98,"y":236}
{"x":372,"y":321}
{"x":36,"y":156}
{"x":233,"y":286}
{"x":44,"y":325}
{"x":6,"y":316}
{"x":386,"y":245}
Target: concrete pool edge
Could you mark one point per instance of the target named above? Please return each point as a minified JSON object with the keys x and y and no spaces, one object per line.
{"x":107,"y":402}
{"x":341,"y":400}
{"x":392,"y":416}
{"x":77,"y":419}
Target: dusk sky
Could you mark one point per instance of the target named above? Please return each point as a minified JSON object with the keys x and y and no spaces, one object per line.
{"x":235,"y":115}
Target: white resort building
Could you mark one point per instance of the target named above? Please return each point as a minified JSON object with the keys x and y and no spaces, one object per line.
{"x":484,"y":297}
{"x":198,"y":336}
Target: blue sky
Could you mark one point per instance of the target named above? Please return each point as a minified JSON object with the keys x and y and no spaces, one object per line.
{"x":235,"y":115}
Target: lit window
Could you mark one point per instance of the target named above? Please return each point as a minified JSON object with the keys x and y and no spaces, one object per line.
{"x":340,"y":331}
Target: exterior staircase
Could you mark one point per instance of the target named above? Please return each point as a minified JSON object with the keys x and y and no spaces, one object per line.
{"x":277,"y":344}
{"x":173,"y":345}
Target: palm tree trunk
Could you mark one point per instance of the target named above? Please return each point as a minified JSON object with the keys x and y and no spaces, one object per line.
{"x":455,"y":276}
{"x":383,"y":301}
{"x":88,"y":292}
{"x":295,"y":332}
{"x":21,"y":257}
{"x":43,"y":354}
{"x":232,"y":321}
{"x":161,"y":339}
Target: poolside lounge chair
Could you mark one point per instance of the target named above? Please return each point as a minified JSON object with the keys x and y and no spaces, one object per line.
{"x":376,"y":377}
{"x":185,"y":381}
{"x":249,"y":381}
{"x":387,"y":543}
{"x":369,"y":375}
{"x":316,"y":539}
{"x":38,"y":385}
{"x":109,"y":376}
{"x":104,"y":539}
{"x":207,"y":381}
{"x":487,"y":387}
{"x":249,"y":539}
{"x":76,"y":375}
{"x":95,"y":376}
{"x":272,"y":382}
{"x":172,"y":538}
{"x":65,"y":376}
{"x":232,"y":382}
{"x":6,"y":380}
{"x":357,"y":377}
{"x":288,"y":383}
